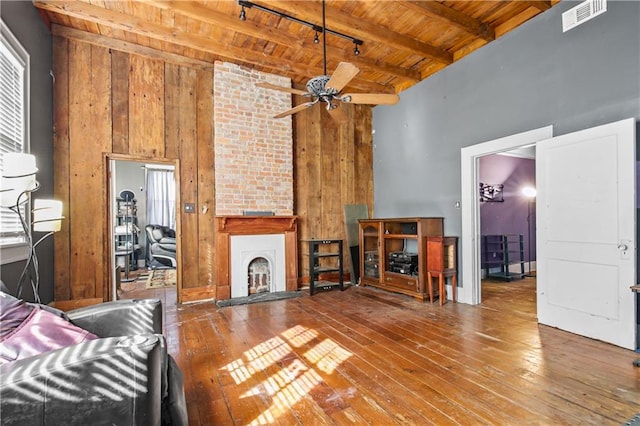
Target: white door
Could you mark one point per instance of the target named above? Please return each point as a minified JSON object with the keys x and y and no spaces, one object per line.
{"x":586,"y":232}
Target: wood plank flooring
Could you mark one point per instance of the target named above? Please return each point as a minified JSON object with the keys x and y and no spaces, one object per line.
{"x":366,"y":356}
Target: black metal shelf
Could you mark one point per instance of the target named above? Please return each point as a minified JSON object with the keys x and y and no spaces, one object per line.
{"x":499,"y":255}
{"x":316,"y":266}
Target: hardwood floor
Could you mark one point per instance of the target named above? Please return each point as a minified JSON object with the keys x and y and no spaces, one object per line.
{"x":365,"y":356}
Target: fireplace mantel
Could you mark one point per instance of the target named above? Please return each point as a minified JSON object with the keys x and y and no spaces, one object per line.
{"x":248,"y":225}
{"x":227,"y":226}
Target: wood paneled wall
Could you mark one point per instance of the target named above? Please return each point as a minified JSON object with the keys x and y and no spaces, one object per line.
{"x":132,"y":106}
{"x":333,"y":166}
{"x":135,"y":107}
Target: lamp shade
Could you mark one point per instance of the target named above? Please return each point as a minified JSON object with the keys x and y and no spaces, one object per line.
{"x":47,"y":215}
{"x":18,"y":175}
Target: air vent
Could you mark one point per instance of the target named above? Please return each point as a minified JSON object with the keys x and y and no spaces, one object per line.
{"x":582,"y":13}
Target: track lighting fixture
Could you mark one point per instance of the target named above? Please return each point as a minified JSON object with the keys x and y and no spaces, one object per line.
{"x":317,"y":28}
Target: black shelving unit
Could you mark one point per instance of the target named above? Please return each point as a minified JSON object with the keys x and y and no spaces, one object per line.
{"x":324,"y":262}
{"x":126,"y":234}
{"x":500,"y":252}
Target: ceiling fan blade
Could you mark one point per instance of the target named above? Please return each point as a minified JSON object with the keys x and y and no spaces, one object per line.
{"x":342,"y":76}
{"x":339,"y":115}
{"x":282,"y":89}
{"x":299,"y":108}
{"x":370,"y":98}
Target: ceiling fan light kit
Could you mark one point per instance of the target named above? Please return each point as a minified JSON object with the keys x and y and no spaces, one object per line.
{"x":325,"y":88}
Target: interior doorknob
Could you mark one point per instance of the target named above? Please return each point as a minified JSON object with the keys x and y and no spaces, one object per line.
{"x":622,"y":247}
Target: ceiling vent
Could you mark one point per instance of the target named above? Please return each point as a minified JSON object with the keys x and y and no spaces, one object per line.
{"x":582,"y":13}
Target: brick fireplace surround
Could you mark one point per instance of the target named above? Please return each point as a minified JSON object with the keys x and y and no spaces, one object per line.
{"x":253,"y":170}
{"x":228,"y":226}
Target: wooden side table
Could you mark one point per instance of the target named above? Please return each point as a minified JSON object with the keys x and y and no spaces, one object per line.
{"x":442,"y":253}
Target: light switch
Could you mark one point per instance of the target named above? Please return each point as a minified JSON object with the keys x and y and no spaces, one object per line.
{"x":189,"y":208}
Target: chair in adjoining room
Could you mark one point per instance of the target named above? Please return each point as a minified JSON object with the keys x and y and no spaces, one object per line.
{"x":161,"y":246}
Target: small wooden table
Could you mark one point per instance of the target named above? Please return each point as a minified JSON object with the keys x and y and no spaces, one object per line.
{"x":442,"y":253}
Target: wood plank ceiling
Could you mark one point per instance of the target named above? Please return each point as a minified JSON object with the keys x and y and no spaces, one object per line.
{"x":404,"y":42}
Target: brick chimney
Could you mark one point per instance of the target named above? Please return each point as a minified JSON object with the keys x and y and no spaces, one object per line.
{"x":253,"y":151}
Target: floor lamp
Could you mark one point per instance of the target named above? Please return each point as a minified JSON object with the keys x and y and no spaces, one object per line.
{"x":18,"y":182}
{"x":530,"y":193}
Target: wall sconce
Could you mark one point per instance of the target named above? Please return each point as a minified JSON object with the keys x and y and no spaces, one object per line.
{"x":18,"y":183}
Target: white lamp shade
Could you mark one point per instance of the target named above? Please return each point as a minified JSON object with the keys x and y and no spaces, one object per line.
{"x":9,"y":194}
{"x":47,"y":215}
{"x":18,"y":175}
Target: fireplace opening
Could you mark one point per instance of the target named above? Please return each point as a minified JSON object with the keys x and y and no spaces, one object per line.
{"x":259,"y":276}
{"x":261,"y":249}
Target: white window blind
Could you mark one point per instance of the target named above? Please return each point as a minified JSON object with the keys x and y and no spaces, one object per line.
{"x":14,"y":62}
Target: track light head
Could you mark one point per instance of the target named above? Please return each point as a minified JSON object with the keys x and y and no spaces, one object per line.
{"x":243,"y":14}
{"x":356,"y":51}
{"x":316,"y":39}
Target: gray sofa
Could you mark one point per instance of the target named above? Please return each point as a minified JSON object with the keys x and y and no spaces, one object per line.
{"x":122,"y":375}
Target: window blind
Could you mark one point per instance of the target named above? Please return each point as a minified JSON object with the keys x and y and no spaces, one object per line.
{"x":13,"y":67}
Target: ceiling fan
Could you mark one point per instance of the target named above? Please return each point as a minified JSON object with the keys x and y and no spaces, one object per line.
{"x":328,"y":89}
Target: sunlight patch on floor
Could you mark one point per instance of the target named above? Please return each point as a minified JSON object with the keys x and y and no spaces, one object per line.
{"x":292,"y":381}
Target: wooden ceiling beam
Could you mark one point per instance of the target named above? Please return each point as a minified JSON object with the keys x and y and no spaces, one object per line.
{"x":125,"y":46}
{"x":540,"y":5}
{"x":121,"y":21}
{"x":457,"y":19}
{"x":212,"y":17}
{"x":340,"y":21}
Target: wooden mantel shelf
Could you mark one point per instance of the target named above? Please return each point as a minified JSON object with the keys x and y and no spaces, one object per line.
{"x":243,"y":225}
{"x":227,"y":226}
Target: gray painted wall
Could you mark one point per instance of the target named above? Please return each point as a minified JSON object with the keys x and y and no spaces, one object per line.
{"x":25,"y":23}
{"x":529,"y":78}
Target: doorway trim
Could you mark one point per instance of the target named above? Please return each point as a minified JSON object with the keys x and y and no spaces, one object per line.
{"x":470,"y":292}
{"x":110,"y":159}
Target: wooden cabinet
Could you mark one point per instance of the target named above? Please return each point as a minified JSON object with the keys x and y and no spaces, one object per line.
{"x":325,"y":256}
{"x":503,"y":256}
{"x":393,"y":253}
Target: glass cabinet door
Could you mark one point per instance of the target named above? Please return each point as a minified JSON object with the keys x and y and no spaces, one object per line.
{"x":371,"y":248}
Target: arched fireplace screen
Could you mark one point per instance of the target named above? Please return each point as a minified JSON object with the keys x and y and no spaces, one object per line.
{"x":259,"y":276}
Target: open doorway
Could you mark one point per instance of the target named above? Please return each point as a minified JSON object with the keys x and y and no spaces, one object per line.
{"x":472,"y":266}
{"x":143,"y":218}
{"x":507,"y":223}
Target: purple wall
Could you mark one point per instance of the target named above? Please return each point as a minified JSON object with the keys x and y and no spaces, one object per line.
{"x":510,"y":216}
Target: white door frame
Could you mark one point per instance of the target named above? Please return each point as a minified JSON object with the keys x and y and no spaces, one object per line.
{"x":470,"y":241}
